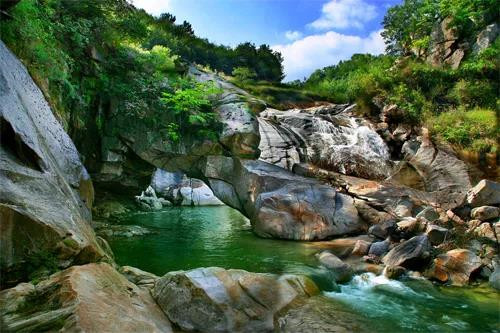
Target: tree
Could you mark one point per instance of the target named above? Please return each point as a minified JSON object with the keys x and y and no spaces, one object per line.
{"x":244,"y":74}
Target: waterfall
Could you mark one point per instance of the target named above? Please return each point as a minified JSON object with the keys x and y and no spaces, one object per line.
{"x":335,"y":141}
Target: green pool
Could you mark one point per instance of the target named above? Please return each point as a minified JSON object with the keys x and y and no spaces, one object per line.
{"x":190,"y":237}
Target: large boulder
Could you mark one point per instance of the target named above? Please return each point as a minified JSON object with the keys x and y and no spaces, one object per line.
{"x":89,"y":298}
{"x":455,"y":266}
{"x":485,"y":193}
{"x":279,"y":203}
{"x":412,"y":254}
{"x":45,"y":191}
{"x":218,"y":300}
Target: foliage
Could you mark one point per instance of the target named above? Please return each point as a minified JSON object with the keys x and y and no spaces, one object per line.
{"x":407,"y":26}
{"x":475,"y":129}
{"x":192,"y":109}
{"x":244,"y":74}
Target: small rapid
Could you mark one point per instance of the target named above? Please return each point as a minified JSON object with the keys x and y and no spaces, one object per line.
{"x":418,"y":306}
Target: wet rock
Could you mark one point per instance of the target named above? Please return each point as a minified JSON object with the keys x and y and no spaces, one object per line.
{"x":45,"y":191}
{"x":436,"y":234}
{"x":361,"y":248}
{"x":318,"y":314}
{"x":485,"y":193}
{"x":455,"y":266}
{"x":393,"y":272}
{"x":218,"y":300}
{"x":342,"y":271}
{"x":89,"y":298}
{"x":382,"y":230}
{"x":485,"y":213}
{"x":341,"y":247}
{"x":378,"y":249}
{"x":411,"y":254}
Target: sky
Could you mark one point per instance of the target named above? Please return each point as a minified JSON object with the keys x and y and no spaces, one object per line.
{"x":310,"y":34}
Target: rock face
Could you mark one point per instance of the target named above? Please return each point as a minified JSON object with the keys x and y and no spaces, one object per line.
{"x":181,"y":190}
{"x":89,"y":298}
{"x":444,"y":176}
{"x":411,"y":254}
{"x":218,"y":300}
{"x":485,"y":38}
{"x":455,"y":266}
{"x":279,"y":203}
{"x":45,"y":192}
{"x":328,"y":136}
{"x":444,"y":45}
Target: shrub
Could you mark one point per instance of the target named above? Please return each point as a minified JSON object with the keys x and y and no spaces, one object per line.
{"x":244,"y":74}
{"x":475,"y":129}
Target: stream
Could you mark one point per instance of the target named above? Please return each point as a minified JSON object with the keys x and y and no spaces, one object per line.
{"x":184,"y":238}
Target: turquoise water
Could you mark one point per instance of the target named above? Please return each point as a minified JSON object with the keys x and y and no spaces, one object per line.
{"x":190,"y":237}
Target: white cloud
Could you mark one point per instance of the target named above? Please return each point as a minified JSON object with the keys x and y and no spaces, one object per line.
{"x":293,"y":35}
{"x":305,"y":55}
{"x":342,"y":14}
{"x":154,"y":7}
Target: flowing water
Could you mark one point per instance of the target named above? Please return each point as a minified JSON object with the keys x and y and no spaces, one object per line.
{"x":186,"y":238}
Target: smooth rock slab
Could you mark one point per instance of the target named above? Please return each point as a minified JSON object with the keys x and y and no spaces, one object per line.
{"x":217,"y":300}
{"x":89,"y":298}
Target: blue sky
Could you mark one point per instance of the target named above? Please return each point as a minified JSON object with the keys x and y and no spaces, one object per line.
{"x":310,"y":34}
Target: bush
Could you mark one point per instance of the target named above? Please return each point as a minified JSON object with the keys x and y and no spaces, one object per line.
{"x":192,"y":109}
{"x":244,"y":74}
{"x":475,"y":129}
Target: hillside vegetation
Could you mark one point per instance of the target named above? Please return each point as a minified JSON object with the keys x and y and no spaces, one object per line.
{"x":98,"y":59}
{"x":458,"y":102}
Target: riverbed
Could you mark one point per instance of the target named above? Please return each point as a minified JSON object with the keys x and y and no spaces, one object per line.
{"x":183,"y":238}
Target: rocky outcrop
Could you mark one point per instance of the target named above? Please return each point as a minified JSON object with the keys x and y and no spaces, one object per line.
{"x":181,"y":190}
{"x":89,"y":298}
{"x":218,"y":300}
{"x":443,"y":175}
{"x":485,"y":38}
{"x":328,"y":136}
{"x":445,"y":47}
{"x":45,"y":192}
